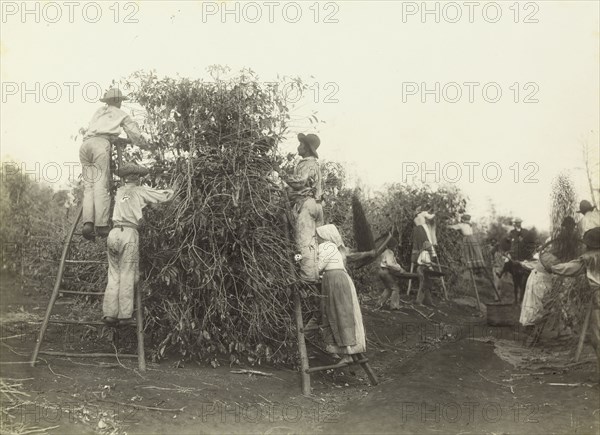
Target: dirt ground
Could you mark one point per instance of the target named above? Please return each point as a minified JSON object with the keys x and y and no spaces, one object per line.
{"x":441,"y":371}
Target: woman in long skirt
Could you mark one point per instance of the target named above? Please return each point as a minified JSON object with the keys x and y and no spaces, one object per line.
{"x":471,"y":250}
{"x":343,"y":333}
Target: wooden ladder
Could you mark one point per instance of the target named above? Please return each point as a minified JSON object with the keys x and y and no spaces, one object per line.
{"x":118,"y":143}
{"x":57,"y":291}
{"x":305,"y":369}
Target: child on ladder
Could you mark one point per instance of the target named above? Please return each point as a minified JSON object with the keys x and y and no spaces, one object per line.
{"x":94,"y":156}
{"x":123,"y":243}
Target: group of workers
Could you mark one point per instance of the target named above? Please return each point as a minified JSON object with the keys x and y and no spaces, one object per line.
{"x":323,"y":254}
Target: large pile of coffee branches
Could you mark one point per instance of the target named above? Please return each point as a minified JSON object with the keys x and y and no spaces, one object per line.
{"x":216,"y":261}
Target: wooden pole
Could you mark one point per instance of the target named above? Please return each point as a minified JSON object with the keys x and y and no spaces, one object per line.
{"x":140,"y":329}
{"x":366,"y":367}
{"x":584,"y":329}
{"x":301,"y":345}
{"x":444,"y":285}
{"x":55,"y":291}
{"x":412,"y":266}
{"x":475,"y":288}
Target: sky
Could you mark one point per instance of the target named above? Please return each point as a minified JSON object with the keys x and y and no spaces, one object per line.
{"x":495,"y":97}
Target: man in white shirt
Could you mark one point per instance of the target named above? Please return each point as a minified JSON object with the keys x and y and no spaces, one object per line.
{"x":388,"y":263}
{"x":591,"y":216}
{"x":94,"y":154}
{"x":123,"y":243}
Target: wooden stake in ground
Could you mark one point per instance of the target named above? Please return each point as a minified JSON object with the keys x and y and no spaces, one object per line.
{"x":584,"y":329}
{"x":412,"y":266}
{"x":475,"y":288}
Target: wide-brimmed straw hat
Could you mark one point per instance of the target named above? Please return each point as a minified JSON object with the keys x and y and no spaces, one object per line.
{"x":113,"y":94}
{"x":517,"y":221}
{"x":312,"y":141}
{"x":591,"y":238}
{"x":585,"y":206}
{"x":129,"y":169}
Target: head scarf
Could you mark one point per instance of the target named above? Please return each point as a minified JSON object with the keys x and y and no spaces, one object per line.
{"x":330,"y":233}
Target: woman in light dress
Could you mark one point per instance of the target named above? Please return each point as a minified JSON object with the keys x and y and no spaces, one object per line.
{"x":343,"y":330}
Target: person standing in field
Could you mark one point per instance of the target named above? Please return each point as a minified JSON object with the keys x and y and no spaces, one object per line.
{"x":306,"y":195}
{"x":94,"y":155}
{"x":424,"y":231}
{"x":471,"y":250}
{"x":387,"y":264}
{"x":123,"y":243}
{"x":425,"y":270}
{"x":588,"y":263}
{"x":520,"y":248}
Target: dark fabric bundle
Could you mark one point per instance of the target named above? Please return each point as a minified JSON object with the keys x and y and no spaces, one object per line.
{"x":362,"y":231}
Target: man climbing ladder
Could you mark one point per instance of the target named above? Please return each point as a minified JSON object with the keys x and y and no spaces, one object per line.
{"x":94,"y":155}
{"x":123,"y":243}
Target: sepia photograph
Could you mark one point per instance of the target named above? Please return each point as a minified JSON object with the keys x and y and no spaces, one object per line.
{"x":300,"y":217}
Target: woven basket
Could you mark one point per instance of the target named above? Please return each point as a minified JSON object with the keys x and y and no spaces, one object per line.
{"x":502,"y":314}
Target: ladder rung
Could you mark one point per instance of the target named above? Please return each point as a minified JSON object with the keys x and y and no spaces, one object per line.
{"x":73,"y":292}
{"x":77,"y":322}
{"x":321,"y":368}
{"x":85,"y":262}
{"x":84,"y":322}
{"x":87,"y":355}
{"x":313,"y":328}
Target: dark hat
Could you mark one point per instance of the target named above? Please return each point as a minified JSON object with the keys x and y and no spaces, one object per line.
{"x":591,"y":238}
{"x":465,"y":218}
{"x":585,"y":206}
{"x":113,"y":94}
{"x":312,"y":141}
{"x":128,"y":169}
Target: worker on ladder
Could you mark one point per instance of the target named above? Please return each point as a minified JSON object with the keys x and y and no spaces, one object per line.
{"x":94,"y":155}
{"x":306,"y":192}
{"x":123,"y":243}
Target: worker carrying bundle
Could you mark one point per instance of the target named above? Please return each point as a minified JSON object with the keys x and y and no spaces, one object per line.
{"x":94,"y":155}
{"x":123,"y":243}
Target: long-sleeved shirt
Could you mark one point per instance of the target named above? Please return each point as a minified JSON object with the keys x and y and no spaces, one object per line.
{"x":330,"y":257}
{"x":423,"y":218}
{"x":131,"y":200}
{"x":588,"y":263}
{"x":306,"y":180}
{"x":108,"y":121}
{"x":387,"y":260}
{"x":590,"y":220}
{"x":463,"y":227}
